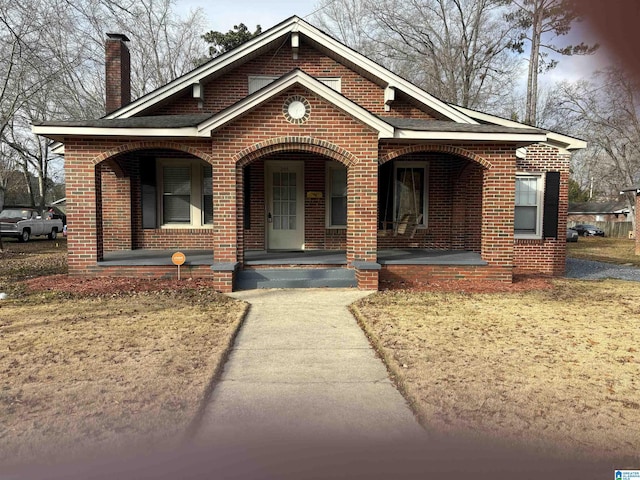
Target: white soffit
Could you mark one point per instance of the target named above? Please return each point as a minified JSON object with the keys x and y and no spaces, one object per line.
{"x":533,"y":137}
{"x":53,"y":131}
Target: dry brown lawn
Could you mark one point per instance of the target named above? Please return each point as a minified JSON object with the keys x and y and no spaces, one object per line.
{"x":613,"y":250}
{"x":114,"y":369}
{"x":556,"y":370}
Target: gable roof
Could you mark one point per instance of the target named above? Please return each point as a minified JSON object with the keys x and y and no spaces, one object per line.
{"x":272,"y":37}
{"x":594,"y":208}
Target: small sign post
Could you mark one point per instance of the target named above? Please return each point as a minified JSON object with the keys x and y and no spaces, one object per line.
{"x":178,"y":259}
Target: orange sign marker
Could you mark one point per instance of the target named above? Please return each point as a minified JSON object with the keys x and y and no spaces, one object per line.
{"x":178,"y":258}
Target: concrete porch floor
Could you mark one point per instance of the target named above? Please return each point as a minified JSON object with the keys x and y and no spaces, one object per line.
{"x":409,"y":256}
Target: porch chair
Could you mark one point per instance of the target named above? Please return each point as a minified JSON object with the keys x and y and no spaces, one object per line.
{"x":407,"y":225}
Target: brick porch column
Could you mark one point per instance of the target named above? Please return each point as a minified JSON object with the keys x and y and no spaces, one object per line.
{"x":116,"y":208}
{"x":83,"y":189}
{"x":498,"y":193}
{"x":225,"y":261}
{"x":362,"y":221}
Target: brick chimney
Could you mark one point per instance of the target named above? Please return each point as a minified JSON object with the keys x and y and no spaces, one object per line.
{"x":118,"y":72}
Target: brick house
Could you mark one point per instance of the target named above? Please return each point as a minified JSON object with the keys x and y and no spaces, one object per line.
{"x":294,"y":154}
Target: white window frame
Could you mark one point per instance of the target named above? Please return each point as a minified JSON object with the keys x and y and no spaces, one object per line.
{"x":264,"y":80}
{"x":424,"y":223}
{"x":196,"y":211}
{"x":540,"y":183}
{"x":331,"y":166}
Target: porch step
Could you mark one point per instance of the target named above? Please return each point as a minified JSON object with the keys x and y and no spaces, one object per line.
{"x":295,"y":278}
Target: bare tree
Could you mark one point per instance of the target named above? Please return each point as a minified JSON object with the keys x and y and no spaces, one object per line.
{"x":608,"y":108}
{"x":52,"y":65}
{"x":538,"y":19}
{"x":352,"y":23}
{"x":458,"y":50}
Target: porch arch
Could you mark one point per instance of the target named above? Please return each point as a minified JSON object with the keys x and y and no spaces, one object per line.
{"x":118,"y":182}
{"x":148,"y":145}
{"x":450,"y":149}
{"x":301,"y":144}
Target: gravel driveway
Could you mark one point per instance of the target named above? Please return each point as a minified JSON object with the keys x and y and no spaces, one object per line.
{"x":590,"y":270}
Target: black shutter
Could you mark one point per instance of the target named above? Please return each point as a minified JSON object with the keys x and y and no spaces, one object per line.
{"x":551,"y":203}
{"x":246,"y":205}
{"x":149,"y":197}
{"x":385,"y":195}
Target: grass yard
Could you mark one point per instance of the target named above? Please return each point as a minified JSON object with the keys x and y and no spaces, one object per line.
{"x":555,"y":370}
{"x":102,"y":364}
{"x":604,"y":249}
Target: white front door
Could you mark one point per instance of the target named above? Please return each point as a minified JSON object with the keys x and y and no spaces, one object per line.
{"x":285,"y":205}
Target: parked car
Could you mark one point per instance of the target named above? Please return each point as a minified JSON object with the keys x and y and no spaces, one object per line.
{"x":588,"y":230}
{"x":572,"y":235}
{"x":24,"y":223}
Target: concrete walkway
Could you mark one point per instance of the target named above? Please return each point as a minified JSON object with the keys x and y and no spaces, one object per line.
{"x":302,"y":367}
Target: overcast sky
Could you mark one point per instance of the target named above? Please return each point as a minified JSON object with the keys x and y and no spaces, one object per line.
{"x":223,"y":15}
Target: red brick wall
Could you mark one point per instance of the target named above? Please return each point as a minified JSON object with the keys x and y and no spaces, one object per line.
{"x":178,"y":238}
{"x":254,"y":237}
{"x":433,"y":273}
{"x":116,"y":208}
{"x":314,"y":208}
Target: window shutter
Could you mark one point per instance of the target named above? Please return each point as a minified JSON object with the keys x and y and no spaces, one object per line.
{"x":149,"y":197}
{"x":246,"y":206}
{"x":551,"y":203}
{"x":385,"y":194}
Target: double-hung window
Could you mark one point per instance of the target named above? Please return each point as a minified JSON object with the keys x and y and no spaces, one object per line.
{"x":528,"y":205}
{"x":336,"y":195}
{"x":411,"y":192}
{"x":185,"y":193}
{"x":176,"y":194}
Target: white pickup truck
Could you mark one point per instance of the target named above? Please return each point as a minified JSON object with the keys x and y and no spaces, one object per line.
{"x":24,"y":223}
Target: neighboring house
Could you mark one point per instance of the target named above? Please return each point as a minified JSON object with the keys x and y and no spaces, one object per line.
{"x":294,"y":142}
{"x":613,"y":211}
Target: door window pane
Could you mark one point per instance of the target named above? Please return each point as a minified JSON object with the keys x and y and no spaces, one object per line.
{"x":284,"y":200}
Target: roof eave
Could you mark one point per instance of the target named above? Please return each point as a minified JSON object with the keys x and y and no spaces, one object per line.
{"x":59,"y":133}
{"x":556,"y":139}
{"x":518,"y":138}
